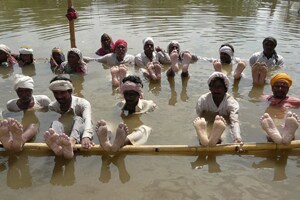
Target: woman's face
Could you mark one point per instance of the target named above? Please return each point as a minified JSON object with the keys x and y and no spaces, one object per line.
{"x":73,"y":58}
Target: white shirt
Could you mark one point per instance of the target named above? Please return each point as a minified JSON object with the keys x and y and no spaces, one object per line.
{"x":40,"y":102}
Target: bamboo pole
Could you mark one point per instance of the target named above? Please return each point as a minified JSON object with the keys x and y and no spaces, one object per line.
{"x":177,"y":149}
{"x":71,"y":27}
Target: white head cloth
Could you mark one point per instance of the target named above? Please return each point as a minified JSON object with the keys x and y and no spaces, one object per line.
{"x":220,"y":75}
{"x":61,"y":85}
{"x":26,"y":50}
{"x":78,"y":52}
{"x":148,"y":39}
{"x":227,"y":50}
{"x":22,"y":81}
{"x":172,"y":43}
{"x":5,"y":48}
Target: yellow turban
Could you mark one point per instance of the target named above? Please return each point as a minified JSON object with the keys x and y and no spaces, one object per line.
{"x":281,"y":76}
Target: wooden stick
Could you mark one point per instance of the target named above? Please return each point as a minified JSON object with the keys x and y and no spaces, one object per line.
{"x":71,"y":27}
{"x":178,"y":148}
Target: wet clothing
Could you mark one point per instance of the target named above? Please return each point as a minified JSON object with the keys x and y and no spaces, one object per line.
{"x":275,"y":61}
{"x":40,"y":102}
{"x":141,"y":60}
{"x":111,"y":60}
{"x":81,"y":108}
{"x":228,"y":108}
{"x":288,"y":102}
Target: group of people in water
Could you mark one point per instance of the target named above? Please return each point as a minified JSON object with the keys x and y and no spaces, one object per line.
{"x":217,"y":107}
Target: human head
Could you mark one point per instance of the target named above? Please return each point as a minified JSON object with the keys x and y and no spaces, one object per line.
{"x":269,"y":45}
{"x":120,"y":48}
{"x":226,"y":53}
{"x":4,"y":52}
{"x":62,"y":89}
{"x":75,"y":57}
{"x":218,"y":84}
{"x":106,"y":41}
{"x":23,"y":85}
{"x":148,"y":44}
{"x":58,"y":55}
{"x":131,"y":89}
{"x":280,"y":84}
{"x":173,"y":45}
{"x":26,"y":54}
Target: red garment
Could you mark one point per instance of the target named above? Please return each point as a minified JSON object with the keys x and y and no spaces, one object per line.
{"x":118,"y":42}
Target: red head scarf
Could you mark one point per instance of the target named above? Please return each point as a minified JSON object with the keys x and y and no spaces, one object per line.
{"x":118,"y":42}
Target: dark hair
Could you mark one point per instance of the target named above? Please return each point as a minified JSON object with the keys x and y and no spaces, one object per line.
{"x":134,"y":79}
{"x":60,"y":77}
{"x":228,"y":45}
{"x":105,"y":35}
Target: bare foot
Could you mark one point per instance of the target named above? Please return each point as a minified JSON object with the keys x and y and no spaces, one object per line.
{"x":51,"y":138}
{"x":262,"y":74}
{"x":290,"y":127}
{"x":255,"y":73}
{"x":186,"y":63}
{"x":174,"y":60}
{"x":114,"y":70}
{"x":151,"y":71}
{"x":101,"y":130}
{"x":5,"y":136}
{"x":16,"y":130}
{"x":122,"y":72}
{"x":217,"y":130}
{"x":200,"y":127}
{"x":239,"y":70}
{"x":217,"y":66}
{"x":157,"y":69}
{"x":269,"y":127}
{"x":121,"y":135}
{"x":65,"y":142}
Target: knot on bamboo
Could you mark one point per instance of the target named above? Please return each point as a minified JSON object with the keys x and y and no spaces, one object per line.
{"x":71,"y":14}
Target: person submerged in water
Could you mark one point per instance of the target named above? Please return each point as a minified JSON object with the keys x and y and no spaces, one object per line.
{"x":213,"y":107}
{"x":13,"y":134}
{"x":107,"y":45}
{"x":185,"y":57}
{"x":134,"y":104}
{"x":226,"y":52}
{"x":151,"y":59}
{"x":57,"y":58}
{"x":25,"y":56}
{"x":261,"y":62}
{"x":280,"y":84}
{"x":6,"y":57}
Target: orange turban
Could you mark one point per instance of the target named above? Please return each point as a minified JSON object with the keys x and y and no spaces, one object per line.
{"x":281,"y":76}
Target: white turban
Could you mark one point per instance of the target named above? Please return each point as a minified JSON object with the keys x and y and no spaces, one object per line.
{"x":5,"y":48}
{"x":61,"y":85}
{"x":148,"y":39}
{"x":22,"y":81}
{"x":26,"y":50}
{"x":227,"y":50}
{"x":220,"y":75}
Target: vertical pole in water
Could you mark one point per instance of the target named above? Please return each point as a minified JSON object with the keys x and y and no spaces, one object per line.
{"x":71,"y":26}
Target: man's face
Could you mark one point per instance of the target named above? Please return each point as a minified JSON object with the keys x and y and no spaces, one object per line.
{"x":149,"y":47}
{"x":24,"y":94}
{"x":217,"y":88}
{"x":26,"y":58}
{"x":62,"y":97}
{"x":268,"y":47}
{"x":121,"y":50}
{"x":131,"y":97}
{"x":225,"y":58}
{"x":173,"y":47}
{"x":280,"y":89}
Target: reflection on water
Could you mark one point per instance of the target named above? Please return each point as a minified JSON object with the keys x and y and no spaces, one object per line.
{"x":200,"y":26}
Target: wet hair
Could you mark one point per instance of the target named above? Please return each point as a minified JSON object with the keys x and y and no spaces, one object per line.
{"x":134,"y":79}
{"x":218,"y":79}
{"x":105,"y":35}
{"x":227,"y":45}
{"x":60,"y":77}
